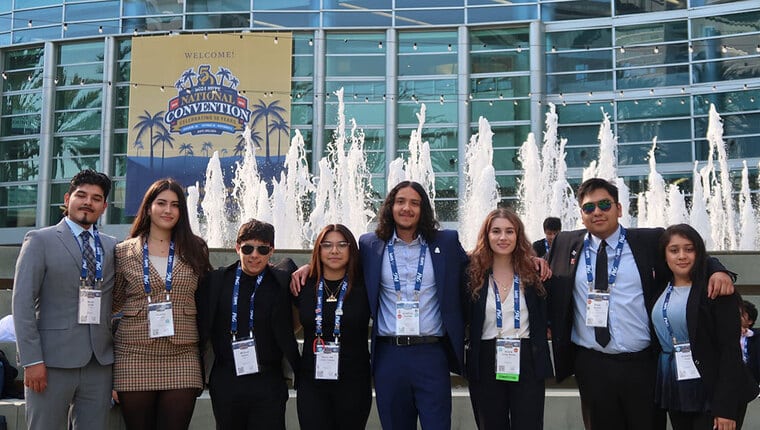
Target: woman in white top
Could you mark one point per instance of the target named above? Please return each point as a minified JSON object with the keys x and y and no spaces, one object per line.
{"x":507,"y":358}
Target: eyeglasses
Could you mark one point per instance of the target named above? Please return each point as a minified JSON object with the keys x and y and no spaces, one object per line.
{"x":327,"y":246}
{"x":262,"y":249}
{"x":603,"y":205}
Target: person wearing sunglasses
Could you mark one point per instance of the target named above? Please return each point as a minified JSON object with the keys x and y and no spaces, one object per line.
{"x":602,"y":289}
{"x":245,"y":314}
{"x":157,"y":369}
{"x":334,"y":390}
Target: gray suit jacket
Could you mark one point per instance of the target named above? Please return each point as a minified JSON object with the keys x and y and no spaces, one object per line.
{"x":46,"y":301}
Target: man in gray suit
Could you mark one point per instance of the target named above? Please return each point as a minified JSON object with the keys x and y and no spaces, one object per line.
{"x":62,"y":312}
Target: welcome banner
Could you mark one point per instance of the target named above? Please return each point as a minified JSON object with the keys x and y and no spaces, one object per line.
{"x":193,"y":95}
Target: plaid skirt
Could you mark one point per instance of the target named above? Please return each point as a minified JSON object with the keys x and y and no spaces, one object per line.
{"x":160,"y":365}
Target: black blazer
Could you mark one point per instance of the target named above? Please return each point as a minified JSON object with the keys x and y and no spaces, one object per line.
{"x":567,"y":250}
{"x":536,"y":318}
{"x":272,"y":303}
{"x":753,"y":361}
{"x":714,"y":330}
{"x":540,"y":247}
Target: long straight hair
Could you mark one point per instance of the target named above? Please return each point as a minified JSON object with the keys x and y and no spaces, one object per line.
{"x":353,"y":270}
{"x":481,"y":258}
{"x":698,"y":272}
{"x":191,"y":248}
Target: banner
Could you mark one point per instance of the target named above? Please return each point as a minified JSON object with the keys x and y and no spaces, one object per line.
{"x":193,"y":95}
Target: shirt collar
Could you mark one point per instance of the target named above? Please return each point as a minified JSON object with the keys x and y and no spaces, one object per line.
{"x":419,"y":240}
{"x":611,"y":240}
{"x":76,"y":228}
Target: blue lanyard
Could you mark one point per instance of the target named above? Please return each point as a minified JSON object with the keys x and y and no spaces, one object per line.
{"x":235,"y":295}
{"x":98,"y":256}
{"x":338,"y":308}
{"x":394,"y":270}
{"x":745,"y":348}
{"x":615,"y":262}
{"x":169,"y":268}
{"x":516,"y":295}
{"x":665,"y":303}
{"x":546,"y":245}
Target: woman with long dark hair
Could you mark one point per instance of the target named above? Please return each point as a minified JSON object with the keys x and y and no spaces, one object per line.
{"x":508,"y":356}
{"x":334,"y":379}
{"x":157,"y":368}
{"x":700,"y":376}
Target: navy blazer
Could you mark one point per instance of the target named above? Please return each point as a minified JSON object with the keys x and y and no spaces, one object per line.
{"x":449,"y":262}
{"x":536,"y":318}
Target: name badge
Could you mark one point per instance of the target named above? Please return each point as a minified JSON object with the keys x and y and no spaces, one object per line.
{"x":408,"y":318}
{"x":89,"y":306}
{"x":244,"y":353}
{"x":508,"y":360}
{"x":326,"y":361}
{"x":160,"y":319}
{"x":685,"y":367}
{"x":597,"y":308}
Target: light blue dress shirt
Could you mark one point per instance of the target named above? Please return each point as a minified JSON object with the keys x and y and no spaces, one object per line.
{"x":77,"y":230}
{"x":628,"y":318}
{"x":407,"y":258}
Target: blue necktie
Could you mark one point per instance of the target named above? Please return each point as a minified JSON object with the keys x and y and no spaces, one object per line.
{"x":89,"y":256}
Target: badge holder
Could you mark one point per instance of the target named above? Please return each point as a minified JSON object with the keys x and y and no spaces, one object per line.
{"x":407,"y":318}
{"x":89,"y":304}
{"x":685,"y":367}
{"x":597,"y":308}
{"x":507,"y":359}
{"x":160,"y":319}
{"x":326,"y":359}
{"x":244,"y":354}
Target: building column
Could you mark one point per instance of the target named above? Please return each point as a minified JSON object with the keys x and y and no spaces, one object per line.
{"x":46,"y":133}
{"x":463,"y":104}
{"x":391,"y":98}
{"x":537,"y":78}
{"x":318,"y":122}
{"x":107,"y":127}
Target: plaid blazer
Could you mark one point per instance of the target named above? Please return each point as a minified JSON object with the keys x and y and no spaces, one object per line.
{"x":130,"y":299}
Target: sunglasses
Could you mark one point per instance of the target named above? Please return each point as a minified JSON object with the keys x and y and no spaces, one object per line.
{"x":603,"y":205}
{"x":342,"y":245}
{"x":262,"y":249}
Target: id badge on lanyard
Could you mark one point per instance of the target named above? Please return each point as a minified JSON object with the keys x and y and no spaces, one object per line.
{"x":89,"y":305}
{"x":597,"y":308}
{"x":160,"y":319}
{"x":685,"y":367}
{"x":326,"y":358}
{"x":246,"y":360}
{"x":407,"y":318}
{"x":508,"y":360}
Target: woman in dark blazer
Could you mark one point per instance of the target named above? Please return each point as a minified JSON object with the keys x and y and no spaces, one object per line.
{"x":327,"y":400}
{"x":503,"y":396}
{"x":708,"y":388}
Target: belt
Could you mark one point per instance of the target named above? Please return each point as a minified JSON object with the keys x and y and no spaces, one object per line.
{"x":408,"y":340}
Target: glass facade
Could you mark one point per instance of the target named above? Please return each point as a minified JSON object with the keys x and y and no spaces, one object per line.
{"x":653,"y":67}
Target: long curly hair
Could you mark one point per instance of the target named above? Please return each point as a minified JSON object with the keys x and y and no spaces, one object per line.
{"x":428,"y":225}
{"x":481,"y":258}
{"x":191,"y":248}
{"x":353,"y":270}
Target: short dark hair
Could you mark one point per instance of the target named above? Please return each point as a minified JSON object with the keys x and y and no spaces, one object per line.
{"x":256,"y":230}
{"x":89,"y":177}
{"x":590,"y":185}
{"x":552,"y":224}
{"x":427,"y":226}
{"x":751,"y":311}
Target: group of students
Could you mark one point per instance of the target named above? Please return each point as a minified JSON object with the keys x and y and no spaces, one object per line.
{"x":634,"y":314}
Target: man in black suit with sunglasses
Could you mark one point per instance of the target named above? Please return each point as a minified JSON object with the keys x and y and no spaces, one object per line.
{"x":600,"y":323}
{"x":245,"y":395}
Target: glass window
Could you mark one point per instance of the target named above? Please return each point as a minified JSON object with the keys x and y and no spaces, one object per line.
{"x":23,"y":170}
{"x":747,"y":68}
{"x":22,"y":103}
{"x":653,"y":77}
{"x":300,"y":4}
{"x":502,"y":38}
{"x":666,"y":152}
{"x":660,"y":32}
{"x":20,"y":125}
{"x":217,"y":6}
{"x":232,"y":20}
{"x":582,"y":113}
{"x":80,"y":75}
{"x":500,"y":87}
{"x":37,"y":17}
{"x":579,"y":39}
{"x":406,"y":18}
{"x":85,"y":98}
{"x":94,"y":10}
{"x":653,"y":55}
{"x":669,"y":107}
{"x":92,"y":28}
{"x":579,"y":60}
{"x":724,"y":24}
{"x":435,"y":112}
{"x":579,"y":82}
{"x":508,"y":136}
{"x":414,"y":42}
{"x":355,"y":65}
{"x":37,"y":34}
{"x":500,"y":61}
{"x":364,"y":113}
{"x":500,"y":110}
{"x":736,"y":148}
{"x":355,"y":43}
{"x":502,"y":14}
{"x":627,"y":7}
{"x":73,"y":53}
{"x":422,"y":64}
{"x":356,"y":19}
{"x":579,"y":9}
{"x":64,"y":168}
{"x":289,"y":19}
{"x":663,"y":130}
{"x":77,"y":121}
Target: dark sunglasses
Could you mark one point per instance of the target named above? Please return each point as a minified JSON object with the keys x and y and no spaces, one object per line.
{"x":262,"y":249}
{"x":603,"y":205}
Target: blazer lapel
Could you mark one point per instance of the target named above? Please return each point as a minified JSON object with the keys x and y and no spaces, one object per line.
{"x":69,"y":242}
{"x":692,"y":310}
{"x":576,"y":250}
{"x":373,"y":270}
{"x":439,"y":269}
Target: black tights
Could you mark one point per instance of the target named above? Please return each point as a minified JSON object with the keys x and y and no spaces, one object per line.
{"x":152,"y":410}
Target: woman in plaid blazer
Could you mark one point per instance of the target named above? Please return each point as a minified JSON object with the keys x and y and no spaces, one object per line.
{"x":157,"y":368}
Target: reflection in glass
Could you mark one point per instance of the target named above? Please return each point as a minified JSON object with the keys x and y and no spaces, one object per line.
{"x":580,"y":9}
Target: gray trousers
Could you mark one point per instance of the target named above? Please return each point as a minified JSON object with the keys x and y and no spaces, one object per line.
{"x":77,"y":399}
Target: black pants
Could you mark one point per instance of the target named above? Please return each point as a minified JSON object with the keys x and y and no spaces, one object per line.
{"x":334,"y":405}
{"x":618,"y":389}
{"x":248,"y":402}
{"x":507,"y":405}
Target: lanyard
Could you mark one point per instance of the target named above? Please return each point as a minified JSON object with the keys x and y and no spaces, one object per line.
{"x":516,"y":295}
{"x":98,"y":255}
{"x":615,"y":262}
{"x":546,"y":245}
{"x":665,"y":313}
{"x":235,"y":295}
{"x":338,"y":308}
{"x":169,"y":268}
{"x":394,"y":270}
{"x":745,"y":348}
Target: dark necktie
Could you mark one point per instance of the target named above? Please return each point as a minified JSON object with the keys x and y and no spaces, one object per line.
{"x":89,"y":256}
{"x":601,"y":279}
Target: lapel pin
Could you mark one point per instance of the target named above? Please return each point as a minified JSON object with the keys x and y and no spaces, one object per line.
{"x":437,"y":250}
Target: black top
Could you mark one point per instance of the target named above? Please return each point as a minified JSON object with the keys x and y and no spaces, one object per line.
{"x":354,"y":332}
